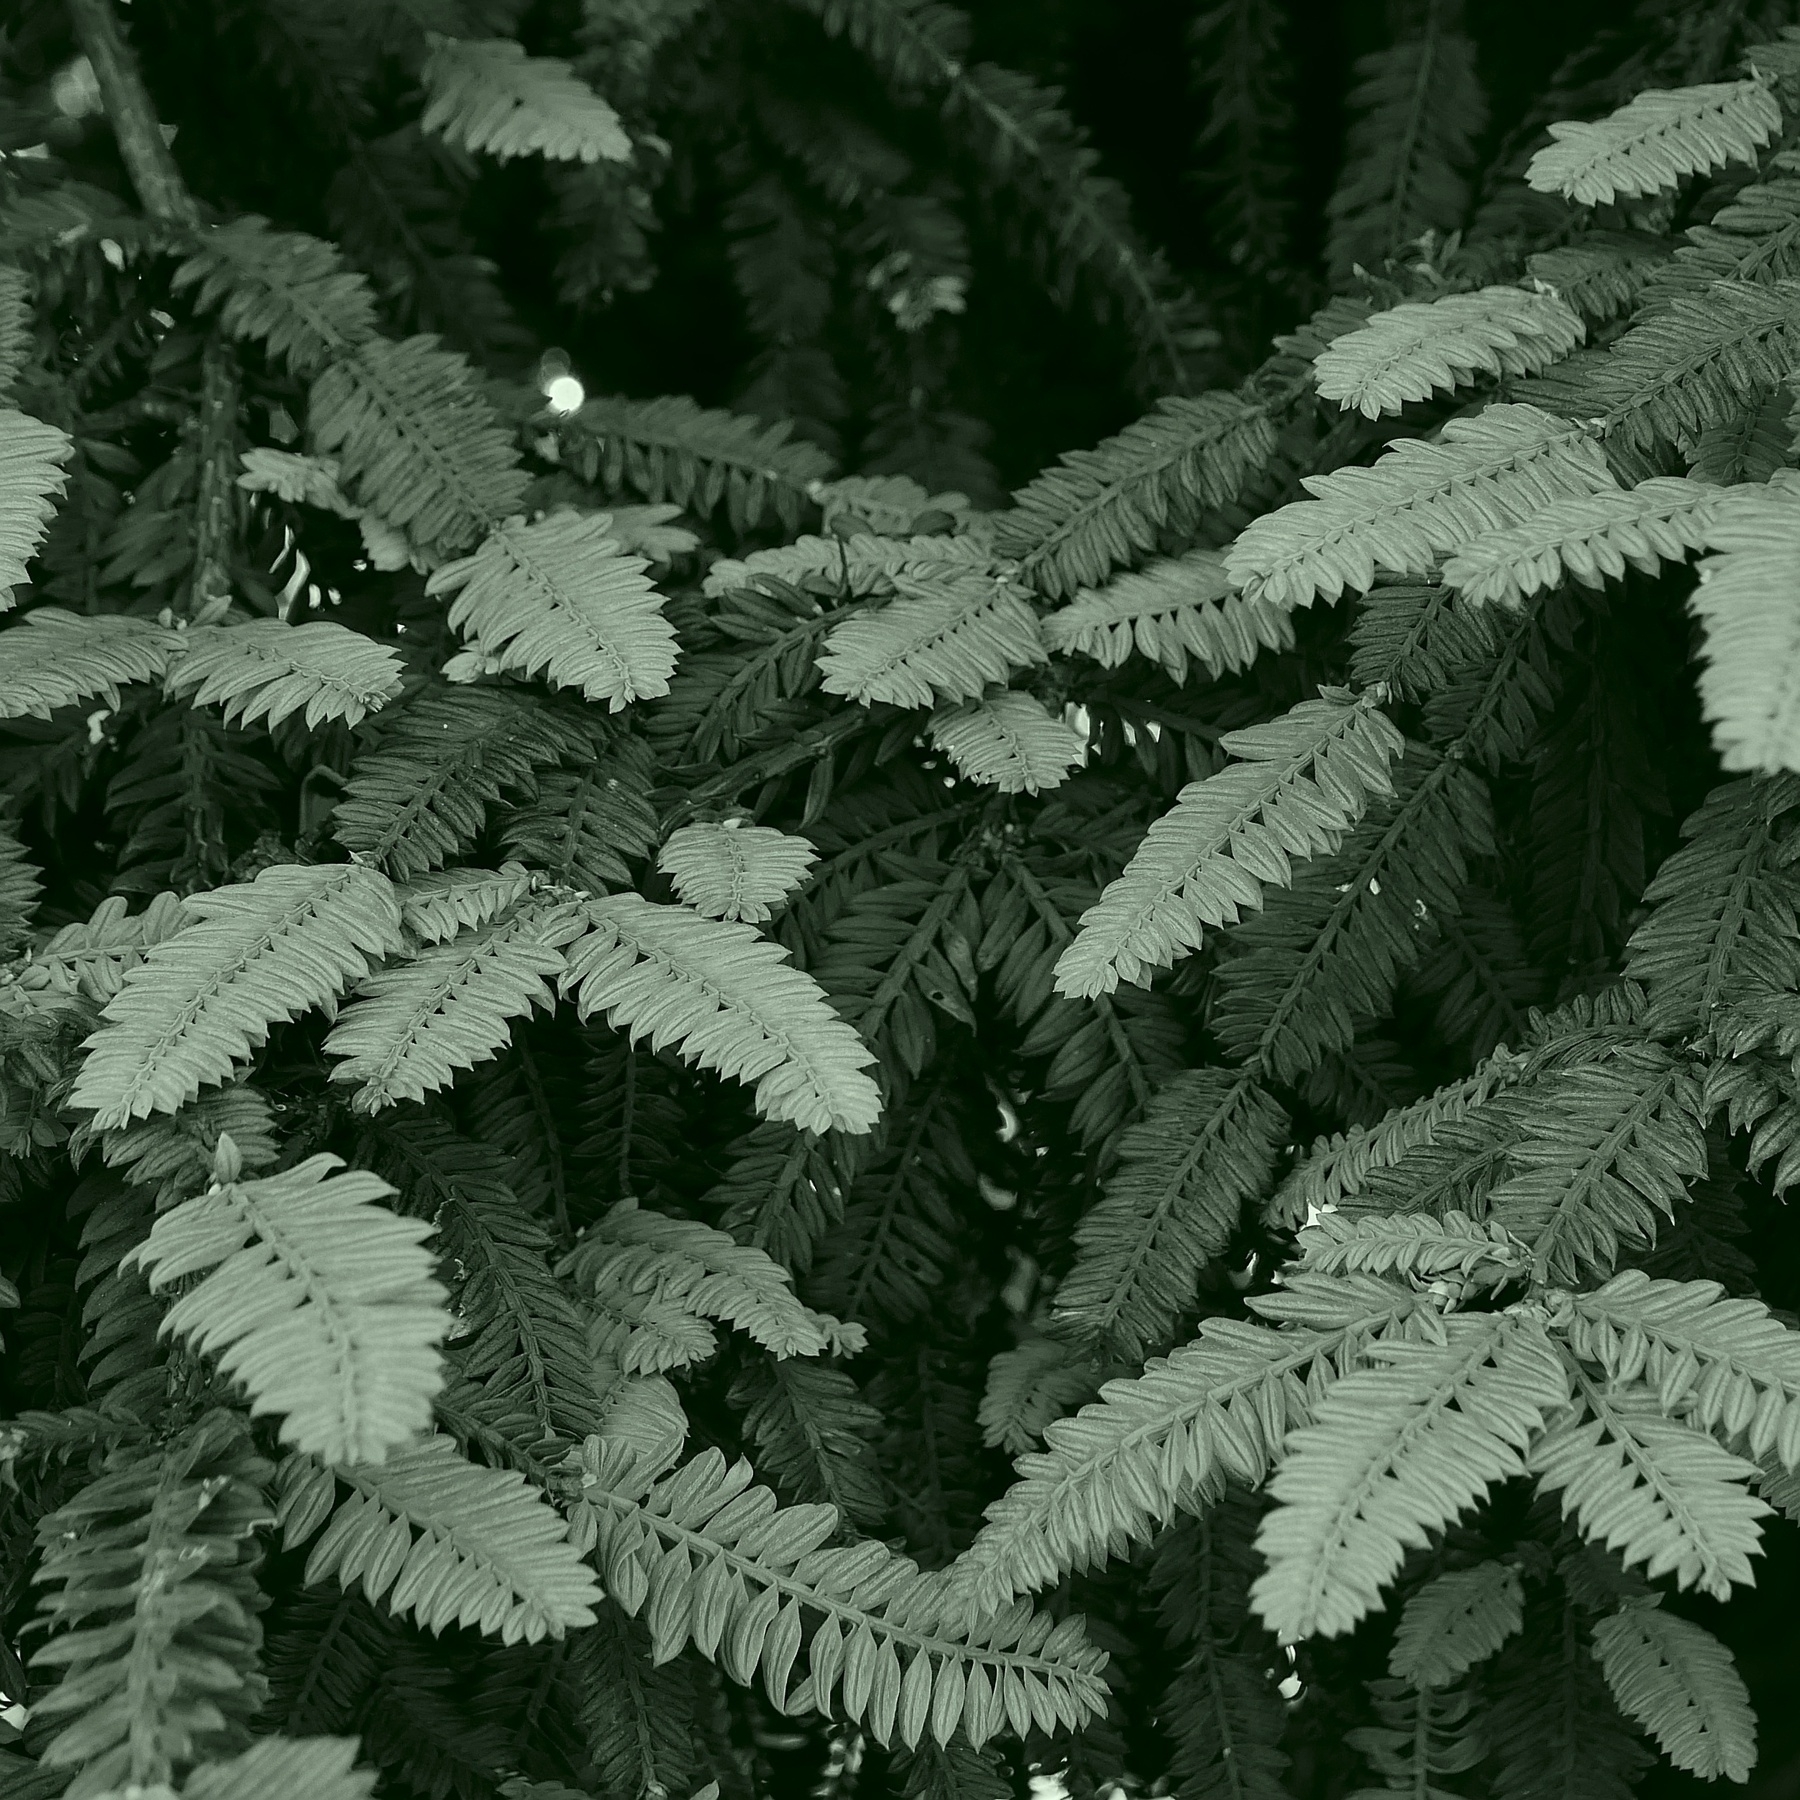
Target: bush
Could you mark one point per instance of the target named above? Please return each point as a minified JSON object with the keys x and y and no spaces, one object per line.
{"x":612,"y":999}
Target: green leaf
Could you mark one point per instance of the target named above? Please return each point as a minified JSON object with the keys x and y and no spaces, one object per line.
{"x":266,"y":670}
{"x":489,"y":95}
{"x":1394,"y":1453}
{"x":409,"y":1027}
{"x":489,"y":1550}
{"x":203,"y":999}
{"x":31,"y":455}
{"x":559,"y":598}
{"x":1412,"y":350}
{"x":1172,"y":609}
{"x":936,"y":641}
{"x":1678,"y":1681}
{"x":1009,"y":741}
{"x":735,"y":870}
{"x":320,"y":1300}
{"x":296,"y":1768}
{"x":53,"y":658}
{"x":1207,"y":1144}
{"x":1590,"y":538}
{"x":1652,"y":1488}
{"x":1454,"y":1622}
{"x":1656,"y":139}
{"x":283,"y":289}
{"x":719,"y":994}
{"x":152,"y":1601}
{"x":1302,"y":780}
{"x":642,"y":1271}
{"x":1751,"y":639}
{"x":1419,"y":501}
{"x":713,"y":1561}
{"x":417,"y":442}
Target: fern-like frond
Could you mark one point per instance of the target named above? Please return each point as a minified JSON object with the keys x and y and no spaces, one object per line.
{"x":319,"y":1300}
{"x":1206,"y":1146}
{"x":559,"y":598}
{"x":1392,"y":1454}
{"x":719,"y":994}
{"x":713,"y":1561}
{"x":1222,"y":1708}
{"x":1417,"y":111}
{"x":854,"y":566}
{"x":435,"y":907}
{"x":1652,"y":1488}
{"x":487,"y":94}
{"x":1549,"y":1716}
{"x":1214,"y":1408}
{"x":1481,"y":1251}
{"x":19,"y":892}
{"x":1334,"y":944}
{"x":283,"y":289}
{"x":417,"y":441}
{"x":152,"y":1610}
{"x":421,"y":796}
{"x":53,"y":658}
{"x":1454,"y":1622}
{"x":1302,"y":781}
{"x":1722,"y":909}
{"x":445,"y":1540}
{"x":1678,"y":1681}
{"x":1689,"y":369}
{"x":1009,"y":741}
{"x":264,"y":669}
{"x":1603,"y":273}
{"x":1415,"y":349}
{"x":296,"y":1768}
{"x":887,"y":505}
{"x":1173,"y":609}
{"x":937,"y":641}
{"x":175,"y":1151}
{"x":1100,"y":508}
{"x":93,"y":957}
{"x":1424,"y":1732}
{"x":1028,"y":1387}
{"x":522,"y":1357}
{"x":1754,"y":238}
{"x":1751,"y":642}
{"x":409,"y":1027}
{"x":16,"y":325}
{"x":1335,"y":1168}
{"x":633,"y":1261}
{"x":203,"y":999}
{"x":671,"y":449}
{"x":1724,"y":1364}
{"x":642,"y":1721}
{"x":31,"y":458}
{"x":586,"y":820}
{"x":735,"y":870}
{"x":1656,"y":139}
{"x":1590,"y":538}
{"x":1417,"y":502}
{"x":1596,"y":1163}
{"x":811,"y":1433}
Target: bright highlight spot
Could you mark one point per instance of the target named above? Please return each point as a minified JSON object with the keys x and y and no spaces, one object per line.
{"x":565,"y":394}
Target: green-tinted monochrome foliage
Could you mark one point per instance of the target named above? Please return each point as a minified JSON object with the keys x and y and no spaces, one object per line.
{"x":621,"y":978}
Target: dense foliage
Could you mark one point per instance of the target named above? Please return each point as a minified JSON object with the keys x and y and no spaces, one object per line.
{"x":612,"y":998}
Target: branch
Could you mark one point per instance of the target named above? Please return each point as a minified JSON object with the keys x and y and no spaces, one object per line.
{"x":141,"y":143}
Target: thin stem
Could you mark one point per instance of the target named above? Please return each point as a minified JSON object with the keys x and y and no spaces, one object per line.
{"x":147,"y":160}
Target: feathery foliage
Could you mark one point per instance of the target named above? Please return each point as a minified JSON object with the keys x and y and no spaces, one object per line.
{"x":609,"y":999}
